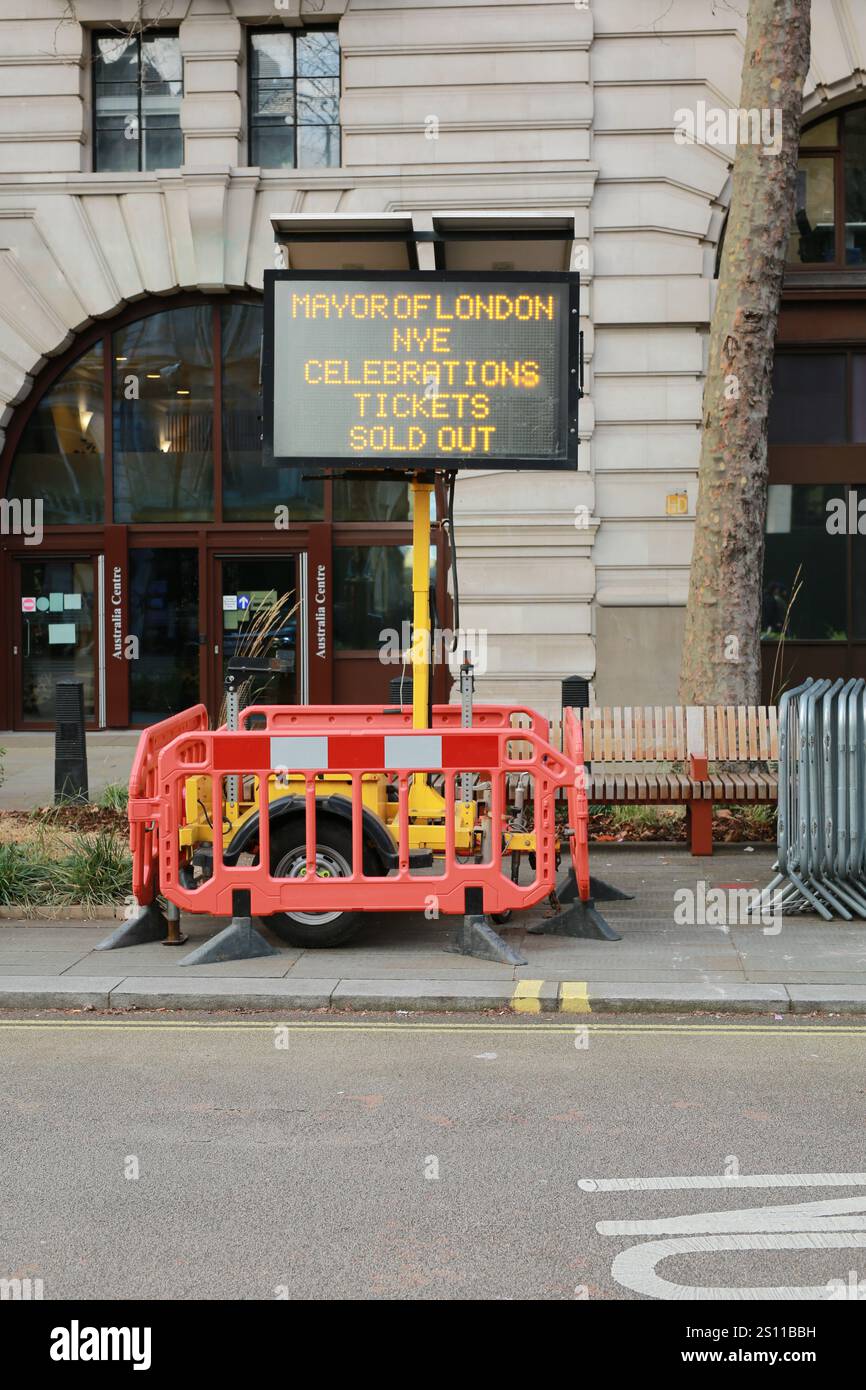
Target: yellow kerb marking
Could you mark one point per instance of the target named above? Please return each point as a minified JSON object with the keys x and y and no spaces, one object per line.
{"x":574,"y":997}
{"x":525,"y":999}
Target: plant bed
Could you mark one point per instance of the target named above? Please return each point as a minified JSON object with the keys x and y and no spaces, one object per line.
{"x":64,"y":857}
{"x":634,"y":824}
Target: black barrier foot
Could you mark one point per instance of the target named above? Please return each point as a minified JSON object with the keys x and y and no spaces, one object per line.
{"x":148,"y":924}
{"x":476,"y":937}
{"x":238,"y":941}
{"x":578,"y":919}
{"x":600,"y":891}
{"x":606,"y":893}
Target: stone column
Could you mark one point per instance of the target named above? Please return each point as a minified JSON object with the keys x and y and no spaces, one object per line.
{"x":211,"y":42}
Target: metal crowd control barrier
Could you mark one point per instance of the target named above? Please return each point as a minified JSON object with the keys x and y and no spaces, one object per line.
{"x":821,"y":862}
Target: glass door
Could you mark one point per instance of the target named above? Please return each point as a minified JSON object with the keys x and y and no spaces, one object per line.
{"x":260,"y":616}
{"x":57,"y":635}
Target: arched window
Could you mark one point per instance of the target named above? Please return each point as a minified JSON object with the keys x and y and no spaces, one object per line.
{"x":181,"y":388}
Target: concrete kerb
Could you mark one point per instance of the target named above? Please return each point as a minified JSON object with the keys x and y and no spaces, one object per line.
{"x":572,"y":998}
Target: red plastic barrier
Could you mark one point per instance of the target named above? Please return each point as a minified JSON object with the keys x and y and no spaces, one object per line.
{"x":578,"y":805}
{"x":144,"y":800}
{"x":286,"y":717}
{"x":311,"y":742}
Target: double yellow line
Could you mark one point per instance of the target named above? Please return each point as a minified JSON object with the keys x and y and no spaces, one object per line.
{"x":498,"y":1026}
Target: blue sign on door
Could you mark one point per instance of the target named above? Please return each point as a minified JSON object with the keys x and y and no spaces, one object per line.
{"x":243,"y":602}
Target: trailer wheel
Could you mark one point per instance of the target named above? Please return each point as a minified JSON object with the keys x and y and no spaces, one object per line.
{"x":333,"y":860}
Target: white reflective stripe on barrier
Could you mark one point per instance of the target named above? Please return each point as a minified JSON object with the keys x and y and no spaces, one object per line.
{"x":419,"y":752}
{"x":299,"y":752}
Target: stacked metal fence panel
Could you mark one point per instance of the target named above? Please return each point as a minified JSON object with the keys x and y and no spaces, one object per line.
{"x":821,"y":860}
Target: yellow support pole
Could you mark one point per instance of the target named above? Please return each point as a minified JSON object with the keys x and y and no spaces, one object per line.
{"x":422,"y":654}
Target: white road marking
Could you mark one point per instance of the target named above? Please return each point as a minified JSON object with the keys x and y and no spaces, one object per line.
{"x":832,"y":1224}
{"x":715,"y":1180}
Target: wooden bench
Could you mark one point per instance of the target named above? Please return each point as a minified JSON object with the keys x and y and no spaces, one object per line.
{"x":625,"y":739}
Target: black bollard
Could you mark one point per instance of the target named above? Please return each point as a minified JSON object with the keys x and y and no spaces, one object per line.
{"x":70,"y":749}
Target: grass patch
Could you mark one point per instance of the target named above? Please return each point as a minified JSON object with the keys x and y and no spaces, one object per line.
{"x":114,"y":797}
{"x":25,"y":877}
{"x":50,"y":870}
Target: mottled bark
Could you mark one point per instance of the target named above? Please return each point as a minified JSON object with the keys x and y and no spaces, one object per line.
{"x":721,"y":661}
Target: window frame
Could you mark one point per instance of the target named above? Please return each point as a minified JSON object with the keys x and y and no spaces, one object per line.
{"x":251,"y":82}
{"x":837,"y":154}
{"x":95,"y":35}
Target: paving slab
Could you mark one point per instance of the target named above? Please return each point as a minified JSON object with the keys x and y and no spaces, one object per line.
{"x":261,"y":967}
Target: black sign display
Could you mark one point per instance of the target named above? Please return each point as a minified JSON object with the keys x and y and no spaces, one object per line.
{"x":422,"y":370}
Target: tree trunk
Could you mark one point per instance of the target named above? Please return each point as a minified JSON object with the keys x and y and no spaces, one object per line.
{"x":721,"y":661}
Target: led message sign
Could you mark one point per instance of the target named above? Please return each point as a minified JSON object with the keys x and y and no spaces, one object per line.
{"x":428,"y":370}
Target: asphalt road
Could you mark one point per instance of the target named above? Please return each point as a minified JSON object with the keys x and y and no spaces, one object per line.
{"x":176,"y":1158}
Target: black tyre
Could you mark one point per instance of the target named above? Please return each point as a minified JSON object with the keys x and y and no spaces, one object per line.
{"x":500,"y":918}
{"x":334,"y":860}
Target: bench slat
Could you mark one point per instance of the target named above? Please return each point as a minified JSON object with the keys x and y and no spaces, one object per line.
{"x":742,"y":733}
{"x":679,"y":733}
{"x":763,"y":733}
{"x":752,"y":715}
{"x":731,"y":716}
{"x":710,"y":726}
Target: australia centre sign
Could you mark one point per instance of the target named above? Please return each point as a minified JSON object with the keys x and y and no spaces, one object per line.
{"x":377,"y":370}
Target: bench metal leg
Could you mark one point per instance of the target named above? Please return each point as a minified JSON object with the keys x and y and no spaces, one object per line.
{"x":699,"y":821}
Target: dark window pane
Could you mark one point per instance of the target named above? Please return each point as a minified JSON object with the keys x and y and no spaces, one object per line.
{"x":274,"y":99}
{"x":318,"y":102}
{"x":273,"y":146}
{"x":115,"y":58}
{"x":318,"y":146}
{"x":809,"y":399}
{"x":118,"y":100}
{"x":813,"y":235}
{"x":161,"y":61}
{"x":358,"y":500}
{"x":798,"y":541}
{"x":318,"y":54}
{"x":858,"y":398}
{"x":272,"y":55}
{"x":58,"y":638}
{"x":162,"y":144}
{"x":117,"y":147}
{"x":60,"y":456}
{"x":824,"y":135}
{"x":855,"y":187}
{"x":163,"y":417}
{"x":372,"y":592}
{"x":163,"y":615}
{"x":858,"y":578}
{"x":252,"y":490}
